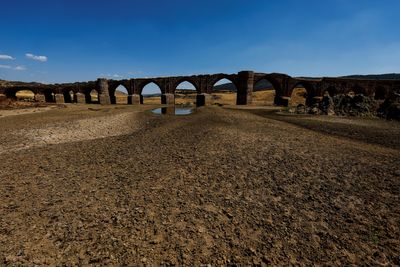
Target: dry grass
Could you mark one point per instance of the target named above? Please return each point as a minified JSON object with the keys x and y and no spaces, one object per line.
{"x":223,"y":98}
{"x":185,"y":99}
{"x":121,"y":97}
{"x":25,"y":95}
{"x":263,"y":98}
{"x":153,"y":100}
{"x":94,"y":96}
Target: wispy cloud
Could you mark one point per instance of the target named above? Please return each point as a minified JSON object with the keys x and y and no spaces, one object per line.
{"x":37,"y":58}
{"x":8,"y":67}
{"x":6,"y":57}
{"x":111,"y":75}
{"x":20,"y":68}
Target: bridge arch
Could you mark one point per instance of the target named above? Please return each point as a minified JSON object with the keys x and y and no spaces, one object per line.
{"x":92,"y":96}
{"x":302,"y":92}
{"x":186,"y":80}
{"x":11,"y":93}
{"x":223,"y":90}
{"x":69,"y":96}
{"x":118,"y":93}
{"x":217,"y":78}
{"x":25,"y":95}
{"x":150,"y":90}
{"x":185,"y":93}
{"x":142,"y":84}
{"x":266,"y":90}
{"x":49,"y":95}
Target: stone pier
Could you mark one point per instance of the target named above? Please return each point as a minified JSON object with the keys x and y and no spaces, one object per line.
{"x":203,"y":100}
{"x":40,"y":98}
{"x":134,"y":99}
{"x":245,"y":87}
{"x":59,"y":98}
{"x":104,"y":96}
{"x":168,"y":99}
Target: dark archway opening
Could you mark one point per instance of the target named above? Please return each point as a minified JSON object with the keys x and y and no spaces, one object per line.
{"x":264,"y":93}
{"x":224,"y":92}
{"x":11,"y":94}
{"x":69,"y":97}
{"x":92,"y":97}
{"x":151,"y":94}
{"x":380,"y":93}
{"x":49,"y":96}
{"x":185,"y":94}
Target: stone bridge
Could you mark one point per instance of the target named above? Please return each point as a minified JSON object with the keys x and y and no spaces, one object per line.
{"x":244,"y":81}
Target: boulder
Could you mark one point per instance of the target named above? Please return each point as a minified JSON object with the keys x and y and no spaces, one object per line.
{"x":352,"y":105}
{"x":301,"y":109}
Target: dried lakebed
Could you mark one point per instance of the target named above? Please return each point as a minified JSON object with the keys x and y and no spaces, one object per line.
{"x":119,"y":186}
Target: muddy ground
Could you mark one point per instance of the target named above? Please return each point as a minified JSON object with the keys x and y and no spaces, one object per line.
{"x":92,"y":185}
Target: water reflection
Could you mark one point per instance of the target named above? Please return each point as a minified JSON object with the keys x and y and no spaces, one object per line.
{"x":173,"y":111}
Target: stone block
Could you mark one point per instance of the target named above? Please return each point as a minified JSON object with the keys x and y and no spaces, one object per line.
{"x":40,"y":98}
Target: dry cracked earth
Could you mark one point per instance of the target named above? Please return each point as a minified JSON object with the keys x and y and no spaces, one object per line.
{"x":119,"y":186}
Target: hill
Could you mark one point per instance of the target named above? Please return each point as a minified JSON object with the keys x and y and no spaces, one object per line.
{"x":388,"y":76}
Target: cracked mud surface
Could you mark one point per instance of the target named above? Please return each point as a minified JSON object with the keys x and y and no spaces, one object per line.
{"x":219,"y":187}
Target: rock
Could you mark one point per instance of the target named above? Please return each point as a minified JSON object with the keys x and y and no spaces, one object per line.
{"x":301,"y":109}
{"x":352,"y":105}
{"x":327,"y":105}
{"x":3,"y":98}
{"x":314,"y":109}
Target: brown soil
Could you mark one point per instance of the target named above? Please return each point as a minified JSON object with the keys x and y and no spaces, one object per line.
{"x":124,"y":187}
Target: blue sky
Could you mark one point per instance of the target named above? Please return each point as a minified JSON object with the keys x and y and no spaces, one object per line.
{"x":68,"y":40}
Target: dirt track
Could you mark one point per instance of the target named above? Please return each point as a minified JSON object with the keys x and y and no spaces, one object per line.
{"x":219,"y":187}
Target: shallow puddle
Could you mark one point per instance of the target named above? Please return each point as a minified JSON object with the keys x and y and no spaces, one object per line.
{"x":173,"y":111}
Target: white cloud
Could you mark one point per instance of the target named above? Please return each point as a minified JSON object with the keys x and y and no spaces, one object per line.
{"x":7,"y":57}
{"x":111,"y":76}
{"x":20,"y":68}
{"x":37,"y":58}
{"x":8,"y":67}
{"x":135,"y":72}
